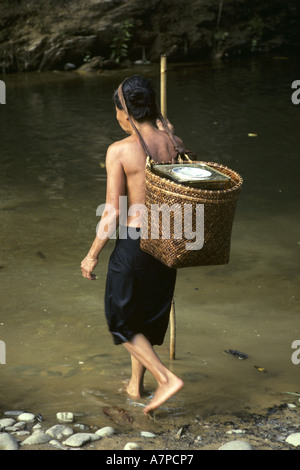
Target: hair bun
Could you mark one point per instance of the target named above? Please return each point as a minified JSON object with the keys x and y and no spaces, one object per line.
{"x":140,"y":96}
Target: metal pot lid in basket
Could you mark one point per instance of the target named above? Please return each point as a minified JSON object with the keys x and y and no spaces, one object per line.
{"x":193,"y":174}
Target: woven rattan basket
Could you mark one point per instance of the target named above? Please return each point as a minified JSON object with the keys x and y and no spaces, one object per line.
{"x":218,"y":207}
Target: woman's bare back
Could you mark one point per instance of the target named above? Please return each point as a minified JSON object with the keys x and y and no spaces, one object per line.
{"x":133,"y":160}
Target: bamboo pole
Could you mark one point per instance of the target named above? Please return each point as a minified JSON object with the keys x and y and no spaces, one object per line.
{"x":163,"y":85}
{"x":219,"y":13}
{"x":163,"y":108}
{"x":172,"y":331}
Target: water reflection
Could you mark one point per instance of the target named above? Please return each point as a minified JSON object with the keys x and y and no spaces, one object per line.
{"x":55,"y":129}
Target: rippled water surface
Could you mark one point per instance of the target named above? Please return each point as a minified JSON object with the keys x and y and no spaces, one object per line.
{"x":55,"y":129}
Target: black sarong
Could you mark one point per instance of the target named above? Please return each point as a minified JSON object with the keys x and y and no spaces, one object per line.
{"x":139,"y":292}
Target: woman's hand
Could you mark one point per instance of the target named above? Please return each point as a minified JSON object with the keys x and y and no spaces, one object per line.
{"x":88,"y":264}
{"x":160,"y":126}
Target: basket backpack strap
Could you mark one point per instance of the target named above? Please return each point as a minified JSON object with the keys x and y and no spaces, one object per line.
{"x":124,"y":106}
{"x":179,"y":149}
{"x":181,"y":155}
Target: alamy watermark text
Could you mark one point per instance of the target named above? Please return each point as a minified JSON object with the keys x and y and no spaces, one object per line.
{"x":2,"y":92}
{"x":2,"y":352}
{"x":296,"y":355}
{"x":180,"y":222}
{"x":296,"y":94}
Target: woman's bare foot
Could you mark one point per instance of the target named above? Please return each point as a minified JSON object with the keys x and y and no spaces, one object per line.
{"x":135,"y":386}
{"x":135,"y":390}
{"x":144,"y":357}
{"x":164,"y":392}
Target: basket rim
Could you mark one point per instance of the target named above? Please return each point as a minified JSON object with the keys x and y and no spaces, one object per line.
{"x":193,"y":192}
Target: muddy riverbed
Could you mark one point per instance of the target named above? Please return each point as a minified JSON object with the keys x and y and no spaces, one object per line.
{"x":54,"y":135}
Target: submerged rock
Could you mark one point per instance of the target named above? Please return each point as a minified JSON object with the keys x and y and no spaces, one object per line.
{"x":69,"y":66}
{"x":13,"y":413}
{"x":93,"y":65}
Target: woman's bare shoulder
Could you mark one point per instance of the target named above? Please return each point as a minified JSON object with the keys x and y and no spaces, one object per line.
{"x":122,"y":145}
{"x":117,"y":151}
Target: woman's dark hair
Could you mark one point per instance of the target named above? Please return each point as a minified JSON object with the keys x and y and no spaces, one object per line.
{"x":139,"y":96}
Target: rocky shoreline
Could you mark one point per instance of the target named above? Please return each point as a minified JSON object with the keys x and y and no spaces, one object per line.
{"x":40,"y":35}
{"x":277,"y":429}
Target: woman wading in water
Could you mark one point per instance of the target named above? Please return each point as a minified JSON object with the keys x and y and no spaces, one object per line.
{"x":139,"y":289}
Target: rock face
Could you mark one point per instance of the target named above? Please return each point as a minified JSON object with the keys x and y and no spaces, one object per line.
{"x":46,"y":35}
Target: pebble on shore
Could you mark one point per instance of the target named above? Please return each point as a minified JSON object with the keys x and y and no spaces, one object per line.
{"x":236,"y":445}
{"x":59,"y":431}
{"x":132,"y":446}
{"x":293,"y":439}
{"x":105,"y":432}
{"x":80,"y":438}
{"x":26,"y":417}
{"x":65,"y":417}
{"x":10,"y":430}
{"x":147,"y":434}
{"x":6,"y":422}
{"x":37,"y":437}
{"x":8,"y":442}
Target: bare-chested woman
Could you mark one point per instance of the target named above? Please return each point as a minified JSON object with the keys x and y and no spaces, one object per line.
{"x":139,"y":289}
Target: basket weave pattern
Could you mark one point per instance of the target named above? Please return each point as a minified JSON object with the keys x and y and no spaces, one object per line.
{"x":219,"y":210}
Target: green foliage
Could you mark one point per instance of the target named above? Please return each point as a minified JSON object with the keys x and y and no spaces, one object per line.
{"x":120,"y":42}
{"x":256,"y":26}
{"x":87,"y":59}
{"x":221,"y":35}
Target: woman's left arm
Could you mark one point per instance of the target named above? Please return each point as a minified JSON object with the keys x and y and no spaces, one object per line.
{"x":116,"y":184}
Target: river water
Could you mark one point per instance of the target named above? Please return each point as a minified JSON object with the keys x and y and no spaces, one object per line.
{"x":55,"y":129}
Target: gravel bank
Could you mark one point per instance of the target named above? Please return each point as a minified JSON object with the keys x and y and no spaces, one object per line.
{"x":277,"y":429}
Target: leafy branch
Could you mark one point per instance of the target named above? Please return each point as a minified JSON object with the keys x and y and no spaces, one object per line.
{"x":120,"y":42}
